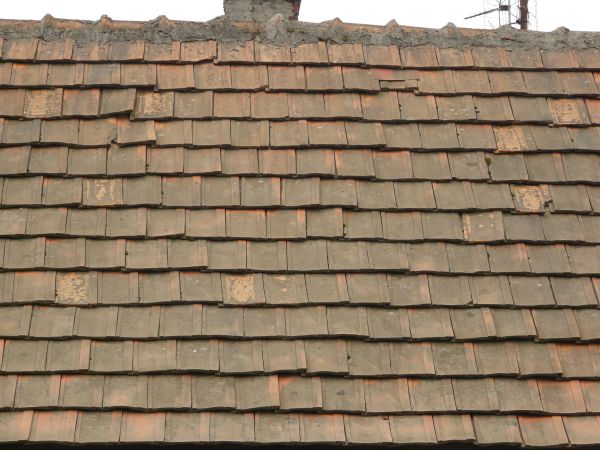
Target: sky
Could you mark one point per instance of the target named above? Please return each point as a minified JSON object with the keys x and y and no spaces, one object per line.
{"x":547,"y":14}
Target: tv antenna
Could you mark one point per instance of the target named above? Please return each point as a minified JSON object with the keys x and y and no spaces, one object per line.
{"x":504,"y":9}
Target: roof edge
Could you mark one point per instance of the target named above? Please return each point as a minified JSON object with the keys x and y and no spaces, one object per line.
{"x":281,"y":31}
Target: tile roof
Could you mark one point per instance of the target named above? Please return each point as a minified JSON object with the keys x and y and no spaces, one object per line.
{"x":238,"y":241}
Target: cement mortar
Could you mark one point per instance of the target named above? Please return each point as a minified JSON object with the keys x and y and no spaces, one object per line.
{"x":260,"y":10}
{"x":280,"y":31}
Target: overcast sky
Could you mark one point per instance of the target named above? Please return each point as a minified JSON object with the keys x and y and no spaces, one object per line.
{"x":573,"y":14}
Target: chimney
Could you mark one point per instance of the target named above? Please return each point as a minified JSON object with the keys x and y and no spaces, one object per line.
{"x":261,"y":10}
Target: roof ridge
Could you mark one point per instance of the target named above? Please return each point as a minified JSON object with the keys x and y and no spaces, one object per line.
{"x":280,"y":31}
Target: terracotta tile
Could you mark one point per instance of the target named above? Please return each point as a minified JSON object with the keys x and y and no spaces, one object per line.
{"x":266,"y":105}
{"x":65,"y":74}
{"x":381,"y":106}
{"x":180,"y":320}
{"x":439,"y":136}
{"x":267,"y":53}
{"x":129,"y":132}
{"x":449,"y":57}
{"x":412,"y":359}
{"x":431,"y":395}
{"x":24,"y":356}
{"x":430,"y":323}
{"x":48,"y":160}
{"x":315,"y":428}
{"x":345,"y":53}
{"x":151,"y":105}
{"x":402,"y":136}
{"x":102,"y":75}
{"x":13,"y":101}
{"x":305,"y":322}
{"x":29,"y":74}
{"x":454,"y":428}
{"x":32,"y":286}
{"x":382,"y":55}
{"x":542,"y":83}
{"x":590,"y":394}
{"x":126,"y":51}
{"x":170,"y":391}
{"x":92,"y":133}
{"x":530,"y":198}
{"x":53,"y":426}
{"x":582,"y":430}
{"x":227,"y":427}
{"x":287,"y":78}
{"x":324,"y":78}
{"x":96,"y":322}
{"x":258,"y":392}
{"x":137,"y":75}
{"x":365,"y":134}
{"x":542,"y":431}
{"x":37,"y":391}
{"x":413,"y":429}
{"x":436,"y":82}
{"x":460,"y":108}
{"x":81,"y":391}
{"x":25,"y":132}
{"x":20,"y":49}
{"x":402,"y":225}
{"x":15,"y":426}
{"x":578,"y":83}
{"x":494,"y":109}
{"x":570,"y":198}
{"x":311,"y":53}
{"x":417,"y":107}
{"x":232,"y":104}
{"x":475,"y":395}
{"x":24,"y":253}
{"x":143,"y":427}
{"x":277,"y":428}
{"x":162,"y":52}
{"x":243,"y":133}
{"x":359,"y":79}
{"x":318,"y":356}
{"x":245,"y":77}
{"x":198,"y":355}
{"x":568,"y":111}
{"x":81,"y":102}
{"x":507,"y":82}
{"x":52,"y":322}
{"x":159,"y":287}
{"x":212,"y":133}
{"x":90,"y":51}
{"x":175,"y":77}
{"x":198,"y":51}
{"x":276,"y":354}
{"x":96,"y":427}
{"x":243,"y":289}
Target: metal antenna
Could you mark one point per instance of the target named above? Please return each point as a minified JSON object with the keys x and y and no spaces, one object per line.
{"x":498,"y":6}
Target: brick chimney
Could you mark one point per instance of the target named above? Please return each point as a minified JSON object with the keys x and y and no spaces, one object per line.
{"x":261,"y":10}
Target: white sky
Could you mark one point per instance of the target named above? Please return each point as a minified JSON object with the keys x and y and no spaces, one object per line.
{"x":573,"y":14}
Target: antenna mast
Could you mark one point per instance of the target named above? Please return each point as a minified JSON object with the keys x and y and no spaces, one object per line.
{"x":523,"y":14}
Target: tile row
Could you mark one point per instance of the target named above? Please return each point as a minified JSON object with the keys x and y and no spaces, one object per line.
{"x":318,"y":53}
{"x":488,"y":227}
{"x":389,"y":165}
{"x":339,"y":357}
{"x":386,"y":106}
{"x":311,"y":192}
{"x":315,"y":255}
{"x":228,"y":77}
{"x":415,"y":324}
{"x":86,"y":427}
{"x":394,"y":290}
{"x":297,"y":133}
{"x":295,"y":393}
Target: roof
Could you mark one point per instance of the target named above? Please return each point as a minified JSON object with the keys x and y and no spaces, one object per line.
{"x":210,"y":240}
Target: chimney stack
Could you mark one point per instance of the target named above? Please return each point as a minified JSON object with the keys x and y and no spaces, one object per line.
{"x":261,"y":10}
